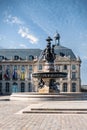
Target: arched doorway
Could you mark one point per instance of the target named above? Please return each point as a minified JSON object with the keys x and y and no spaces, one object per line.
{"x":73,"y":87}
{"x":7,"y":88}
{"x":14,"y":87}
{"x":0,"y":88}
{"x":29,"y":87}
{"x":64,"y":87}
{"x":22,"y":87}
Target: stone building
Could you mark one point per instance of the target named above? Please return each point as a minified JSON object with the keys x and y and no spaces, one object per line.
{"x":17,"y":66}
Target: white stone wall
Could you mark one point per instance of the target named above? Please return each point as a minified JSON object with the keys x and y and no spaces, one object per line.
{"x":59,"y":62}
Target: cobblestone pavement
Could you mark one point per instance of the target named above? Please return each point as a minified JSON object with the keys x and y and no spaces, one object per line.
{"x":10,"y":120}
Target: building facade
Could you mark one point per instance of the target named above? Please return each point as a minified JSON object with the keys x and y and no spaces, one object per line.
{"x":17,"y":66}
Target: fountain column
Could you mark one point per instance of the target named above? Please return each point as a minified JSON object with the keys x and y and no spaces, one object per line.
{"x":49,"y":66}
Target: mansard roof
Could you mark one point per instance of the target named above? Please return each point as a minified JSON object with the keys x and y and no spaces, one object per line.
{"x":26,"y":53}
{"x":22,"y":53}
{"x":64,"y":51}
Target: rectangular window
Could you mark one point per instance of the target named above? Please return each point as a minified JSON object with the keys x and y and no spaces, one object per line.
{"x":65,"y":67}
{"x":22,"y":75}
{"x":65,"y":87}
{"x":40,"y":67}
{"x":0,"y":67}
{"x":22,"y":68}
{"x":57,"y":67}
{"x":30,"y":67}
{"x":0,"y":75}
{"x":30,"y":76}
{"x":73,"y":75}
{"x":15,"y":67}
{"x":73,"y":67}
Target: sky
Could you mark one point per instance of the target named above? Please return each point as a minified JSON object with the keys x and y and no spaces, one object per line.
{"x":27,"y":23}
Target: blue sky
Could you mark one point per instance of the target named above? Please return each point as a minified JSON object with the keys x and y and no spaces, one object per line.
{"x":27,"y":23}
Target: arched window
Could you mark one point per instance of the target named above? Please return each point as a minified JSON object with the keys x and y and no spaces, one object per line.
{"x":22,"y":87}
{"x":30,"y":87}
{"x":73,"y":87}
{"x":7,"y":88}
{"x":65,"y":87}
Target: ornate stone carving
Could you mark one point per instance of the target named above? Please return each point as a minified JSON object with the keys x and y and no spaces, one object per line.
{"x":49,"y":51}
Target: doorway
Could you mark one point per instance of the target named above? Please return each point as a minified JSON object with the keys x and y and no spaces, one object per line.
{"x":14,"y":88}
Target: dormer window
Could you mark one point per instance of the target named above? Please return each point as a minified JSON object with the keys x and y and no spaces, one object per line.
{"x":1,"y":57}
{"x":62,"y":54}
{"x":16,"y":57}
{"x":31,"y":57}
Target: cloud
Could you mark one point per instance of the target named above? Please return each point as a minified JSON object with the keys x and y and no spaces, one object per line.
{"x":84,"y":58}
{"x":23,"y":46}
{"x":24,"y":32}
{"x":12,"y":19}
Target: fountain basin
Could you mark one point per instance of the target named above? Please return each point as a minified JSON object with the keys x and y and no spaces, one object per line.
{"x":34,"y":96}
{"x":49,"y":75}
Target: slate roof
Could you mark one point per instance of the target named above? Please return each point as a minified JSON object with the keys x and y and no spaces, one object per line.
{"x":59,"y":50}
{"x":64,"y":51}
{"x":8,"y":53}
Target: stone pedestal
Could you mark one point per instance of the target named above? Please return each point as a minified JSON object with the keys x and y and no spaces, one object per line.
{"x":44,"y":90}
{"x":47,"y":87}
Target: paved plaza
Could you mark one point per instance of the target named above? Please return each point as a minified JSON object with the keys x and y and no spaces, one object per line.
{"x":12,"y":118}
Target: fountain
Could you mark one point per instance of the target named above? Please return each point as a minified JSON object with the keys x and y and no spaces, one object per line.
{"x":47,"y":78}
{"x":47,"y":85}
